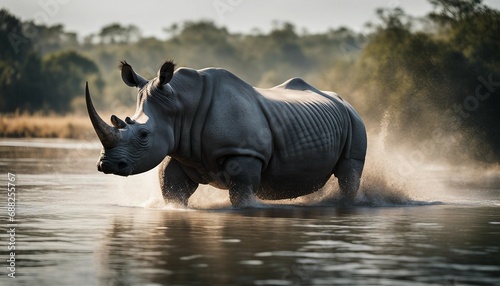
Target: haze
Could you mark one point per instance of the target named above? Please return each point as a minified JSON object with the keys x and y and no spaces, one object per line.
{"x":151,"y":16}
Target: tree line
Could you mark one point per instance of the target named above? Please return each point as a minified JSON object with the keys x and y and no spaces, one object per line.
{"x":437,"y":77}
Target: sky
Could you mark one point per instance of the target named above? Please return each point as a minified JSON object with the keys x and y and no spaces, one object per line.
{"x":151,"y":16}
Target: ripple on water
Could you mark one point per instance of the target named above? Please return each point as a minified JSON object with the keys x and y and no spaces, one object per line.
{"x":251,"y":262}
{"x":274,"y":282}
{"x":230,"y":240}
{"x":191,"y":257}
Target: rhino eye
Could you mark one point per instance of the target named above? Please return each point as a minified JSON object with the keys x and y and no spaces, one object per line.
{"x":144,"y":134}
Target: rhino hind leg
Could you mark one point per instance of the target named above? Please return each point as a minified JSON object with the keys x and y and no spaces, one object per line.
{"x":348,"y":173}
{"x":176,"y":186}
{"x":244,"y":174}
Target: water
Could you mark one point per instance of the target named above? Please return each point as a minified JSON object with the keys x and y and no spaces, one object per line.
{"x":76,"y":226}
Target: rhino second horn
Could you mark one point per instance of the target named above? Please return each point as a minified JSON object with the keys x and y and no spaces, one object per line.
{"x":108,"y":135}
{"x":117,"y":122}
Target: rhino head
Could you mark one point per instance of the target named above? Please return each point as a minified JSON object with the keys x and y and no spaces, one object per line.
{"x":139,"y":143}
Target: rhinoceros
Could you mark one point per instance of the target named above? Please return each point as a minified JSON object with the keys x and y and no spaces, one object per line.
{"x":210,"y":127}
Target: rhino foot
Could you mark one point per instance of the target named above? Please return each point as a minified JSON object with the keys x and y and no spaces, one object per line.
{"x":348,"y":173}
{"x":175,"y":184}
{"x":244,"y":179}
{"x":242,"y":200}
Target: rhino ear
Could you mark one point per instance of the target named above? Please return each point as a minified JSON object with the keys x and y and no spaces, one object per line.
{"x":129,"y":76}
{"x":166,"y":73}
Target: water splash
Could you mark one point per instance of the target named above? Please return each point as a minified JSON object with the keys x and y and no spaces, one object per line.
{"x":382,"y":184}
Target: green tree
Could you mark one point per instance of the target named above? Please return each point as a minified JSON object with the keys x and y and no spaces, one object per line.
{"x":429,"y":79}
{"x":47,"y":39}
{"x":20,"y":73}
{"x":448,"y":12}
{"x":65,"y":74}
{"x":116,"y":33}
{"x":473,"y":28}
{"x":286,"y":47}
{"x":204,"y":43}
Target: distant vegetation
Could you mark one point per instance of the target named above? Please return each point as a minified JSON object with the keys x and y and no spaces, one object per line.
{"x":437,"y":77}
{"x":40,"y":125}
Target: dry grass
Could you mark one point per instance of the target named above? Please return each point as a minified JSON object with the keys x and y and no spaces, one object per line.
{"x":45,"y":126}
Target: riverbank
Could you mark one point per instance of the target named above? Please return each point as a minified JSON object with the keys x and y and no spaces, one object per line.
{"x":45,"y":126}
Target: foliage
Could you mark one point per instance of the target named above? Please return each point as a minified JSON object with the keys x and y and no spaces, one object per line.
{"x":116,"y":33}
{"x":429,"y":80}
{"x":64,"y":72}
{"x":30,"y":81}
{"x":49,"y":39}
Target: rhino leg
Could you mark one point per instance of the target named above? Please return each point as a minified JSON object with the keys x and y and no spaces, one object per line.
{"x":176,"y":186}
{"x":348,"y":173}
{"x":244,"y":178}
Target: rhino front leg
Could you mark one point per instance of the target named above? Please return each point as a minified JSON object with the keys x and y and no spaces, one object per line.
{"x":244,"y":178}
{"x":348,"y":173}
{"x":176,"y":186}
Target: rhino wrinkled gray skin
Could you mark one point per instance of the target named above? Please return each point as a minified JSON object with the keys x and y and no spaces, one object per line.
{"x":210,"y":127}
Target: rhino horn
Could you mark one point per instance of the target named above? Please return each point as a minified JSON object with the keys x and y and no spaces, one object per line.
{"x":108,"y":135}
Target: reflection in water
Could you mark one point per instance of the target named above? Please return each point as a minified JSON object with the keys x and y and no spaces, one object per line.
{"x":301,"y":246}
{"x":79,"y":227}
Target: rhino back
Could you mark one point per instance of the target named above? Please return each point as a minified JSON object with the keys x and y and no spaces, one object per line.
{"x":309,"y":130}
{"x":292,"y":128}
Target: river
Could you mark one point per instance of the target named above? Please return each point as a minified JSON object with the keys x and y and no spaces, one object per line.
{"x":76,"y":226}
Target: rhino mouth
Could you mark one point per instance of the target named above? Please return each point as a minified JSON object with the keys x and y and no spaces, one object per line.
{"x":123,"y":172}
{"x":108,"y":167}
